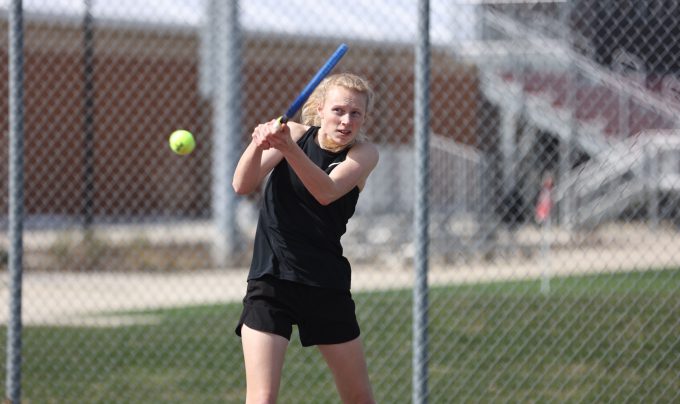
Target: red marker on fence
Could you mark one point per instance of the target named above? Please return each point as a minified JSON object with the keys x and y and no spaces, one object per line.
{"x":544,"y":202}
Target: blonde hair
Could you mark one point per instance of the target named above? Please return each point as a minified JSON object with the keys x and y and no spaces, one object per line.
{"x":309,"y":114}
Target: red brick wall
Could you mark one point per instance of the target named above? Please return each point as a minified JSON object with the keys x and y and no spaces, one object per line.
{"x":144,"y":91}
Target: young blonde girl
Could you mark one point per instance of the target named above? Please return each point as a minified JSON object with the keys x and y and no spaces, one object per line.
{"x":298,"y":274}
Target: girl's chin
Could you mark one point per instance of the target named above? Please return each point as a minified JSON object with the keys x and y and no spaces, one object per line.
{"x":336,"y":142}
{"x":342,"y":139}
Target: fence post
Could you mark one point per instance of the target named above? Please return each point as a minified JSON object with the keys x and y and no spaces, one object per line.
{"x":88,"y":119}
{"x":16,"y":196}
{"x":421,"y":217}
{"x":226,"y":127}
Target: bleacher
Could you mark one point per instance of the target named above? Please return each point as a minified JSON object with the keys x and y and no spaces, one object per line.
{"x":618,"y":119}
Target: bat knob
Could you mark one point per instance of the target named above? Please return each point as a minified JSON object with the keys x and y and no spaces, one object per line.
{"x":282,"y":119}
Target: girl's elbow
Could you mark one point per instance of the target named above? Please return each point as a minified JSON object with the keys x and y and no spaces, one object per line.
{"x":325,"y":200}
{"x":329,"y":196}
{"x":240,"y":188}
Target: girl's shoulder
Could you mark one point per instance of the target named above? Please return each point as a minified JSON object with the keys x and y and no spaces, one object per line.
{"x":365,"y":148}
{"x":297,"y":130}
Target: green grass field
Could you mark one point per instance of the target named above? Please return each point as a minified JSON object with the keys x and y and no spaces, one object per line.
{"x":606,"y":338}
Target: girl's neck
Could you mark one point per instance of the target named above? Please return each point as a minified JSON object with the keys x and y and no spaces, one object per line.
{"x":329,"y":145}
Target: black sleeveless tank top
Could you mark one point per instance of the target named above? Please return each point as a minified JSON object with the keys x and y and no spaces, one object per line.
{"x":297,"y":238}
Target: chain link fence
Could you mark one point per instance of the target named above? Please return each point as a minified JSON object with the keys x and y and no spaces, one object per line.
{"x":554,"y":182}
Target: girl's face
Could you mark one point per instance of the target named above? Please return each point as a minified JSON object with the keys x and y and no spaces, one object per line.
{"x":342,"y":114}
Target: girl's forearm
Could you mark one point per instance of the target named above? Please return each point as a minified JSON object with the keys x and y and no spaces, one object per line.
{"x":247,"y":173}
{"x":317,"y":182}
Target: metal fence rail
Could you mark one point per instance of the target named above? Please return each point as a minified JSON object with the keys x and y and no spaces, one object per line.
{"x":553,"y":256}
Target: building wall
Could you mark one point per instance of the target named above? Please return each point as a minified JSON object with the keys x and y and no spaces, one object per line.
{"x":147,"y":84}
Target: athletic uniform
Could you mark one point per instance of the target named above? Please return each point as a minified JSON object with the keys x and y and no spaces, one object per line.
{"x":298,"y":274}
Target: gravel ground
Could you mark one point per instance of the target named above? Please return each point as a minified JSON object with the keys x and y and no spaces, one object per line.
{"x":106,"y":299}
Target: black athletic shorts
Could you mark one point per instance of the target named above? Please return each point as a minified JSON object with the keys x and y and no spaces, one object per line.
{"x":323,"y":316}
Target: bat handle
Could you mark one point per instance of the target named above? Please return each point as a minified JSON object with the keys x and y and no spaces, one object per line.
{"x":282,"y":119}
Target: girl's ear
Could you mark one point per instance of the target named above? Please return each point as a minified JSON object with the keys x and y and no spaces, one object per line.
{"x":319,"y":115}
